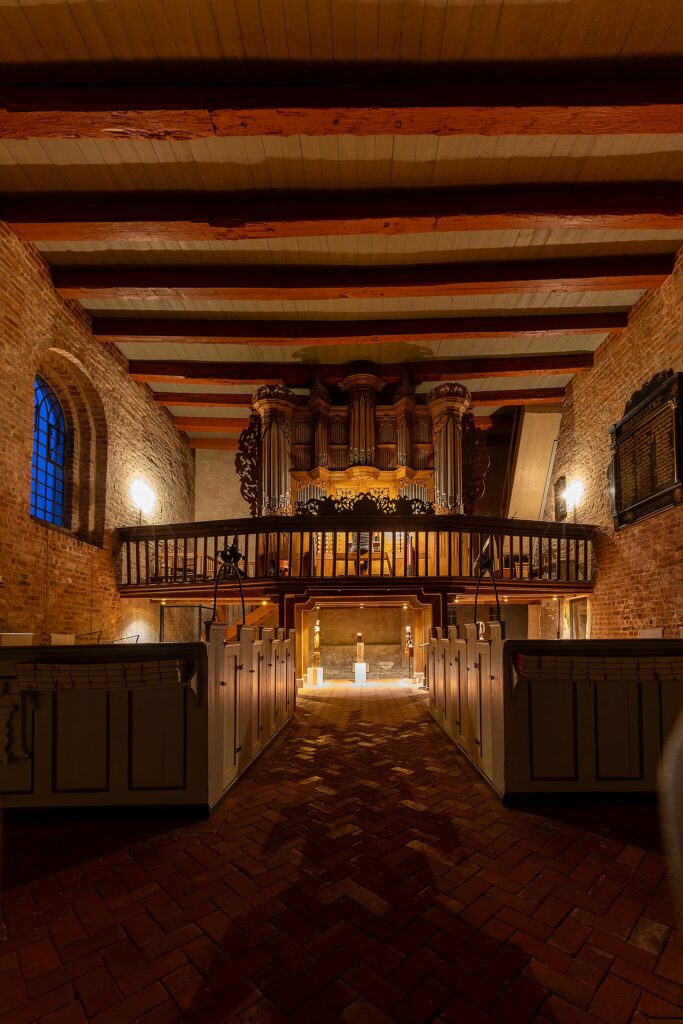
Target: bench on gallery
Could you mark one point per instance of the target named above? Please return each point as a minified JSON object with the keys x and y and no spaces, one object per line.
{"x":557,"y":716}
{"x":139,"y":725}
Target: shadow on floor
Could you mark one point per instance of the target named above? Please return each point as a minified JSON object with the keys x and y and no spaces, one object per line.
{"x":626,"y":821}
{"x":36,"y":846}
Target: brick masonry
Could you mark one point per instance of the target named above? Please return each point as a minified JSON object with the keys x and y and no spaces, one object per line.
{"x":360,"y":872}
{"x":640,"y":568}
{"x":218,"y":487}
{"x":52,"y":580}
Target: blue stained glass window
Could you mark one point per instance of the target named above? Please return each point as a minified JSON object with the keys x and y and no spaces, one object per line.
{"x":49,"y":456}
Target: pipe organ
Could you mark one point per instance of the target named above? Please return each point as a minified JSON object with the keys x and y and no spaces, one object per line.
{"x":363,"y":435}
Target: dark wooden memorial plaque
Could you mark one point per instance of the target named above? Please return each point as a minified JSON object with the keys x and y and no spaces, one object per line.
{"x":645,"y":474}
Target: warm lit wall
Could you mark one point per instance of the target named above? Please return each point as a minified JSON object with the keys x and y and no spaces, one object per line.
{"x":51,"y":580}
{"x":640,"y":568}
{"x":217,"y":492}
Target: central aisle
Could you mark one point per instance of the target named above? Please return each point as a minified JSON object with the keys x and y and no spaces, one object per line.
{"x":359,"y":872}
{"x":387,"y":879}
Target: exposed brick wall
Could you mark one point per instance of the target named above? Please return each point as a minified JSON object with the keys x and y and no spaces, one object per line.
{"x":640,"y":568}
{"x":54,"y":581}
{"x":218,"y":487}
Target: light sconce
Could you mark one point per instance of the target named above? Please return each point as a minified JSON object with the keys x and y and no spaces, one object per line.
{"x":143,"y":497}
{"x":573,"y":493}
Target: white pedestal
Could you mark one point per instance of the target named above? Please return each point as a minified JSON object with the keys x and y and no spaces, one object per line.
{"x":16,"y":639}
{"x":314,"y":676}
{"x":62,"y":639}
{"x":360,"y":672}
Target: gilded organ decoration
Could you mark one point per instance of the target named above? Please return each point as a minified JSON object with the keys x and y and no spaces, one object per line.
{"x":362,"y":436}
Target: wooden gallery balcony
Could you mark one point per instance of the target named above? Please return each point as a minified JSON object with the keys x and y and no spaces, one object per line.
{"x":356,"y":553}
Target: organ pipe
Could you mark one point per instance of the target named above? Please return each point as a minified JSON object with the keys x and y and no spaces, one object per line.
{"x":275,"y":405}
{"x":447,"y":405}
{"x":362,"y":390}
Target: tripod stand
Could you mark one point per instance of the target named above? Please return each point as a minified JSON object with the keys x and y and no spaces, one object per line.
{"x":486,"y":569}
{"x":230,"y":565}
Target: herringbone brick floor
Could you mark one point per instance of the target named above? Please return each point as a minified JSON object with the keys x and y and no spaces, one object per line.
{"x":360,"y":872}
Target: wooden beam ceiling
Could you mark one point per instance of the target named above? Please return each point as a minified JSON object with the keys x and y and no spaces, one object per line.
{"x":357,"y":332}
{"x":199,"y":399}
{"x":580,"y":108}
{"x":211,"y":424}
{"x":303,"y":374}
{"x":237,"y":216}
{"x":613,"y":273}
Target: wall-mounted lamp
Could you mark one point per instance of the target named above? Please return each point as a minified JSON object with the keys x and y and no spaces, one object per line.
{"x":143,"y":497}
{"x":573,"y":494}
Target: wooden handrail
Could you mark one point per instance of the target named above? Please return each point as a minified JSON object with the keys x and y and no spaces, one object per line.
{"x":371,"y":545}
{"x":352,"y":523}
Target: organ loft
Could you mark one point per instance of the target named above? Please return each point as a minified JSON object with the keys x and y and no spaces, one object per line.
{"x":362,"y":435}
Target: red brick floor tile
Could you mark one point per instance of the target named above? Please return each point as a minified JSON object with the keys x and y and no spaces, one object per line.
{"x":362,"y":1012}
{"x":519,"y":1002}
{"x":12,"y":989}
{"x":38,"y":959}
{"x":71,"y":1014}
{"x":97,"y":990}
{"x":362,"y":872}
{"x":615,"y":1001}
{"x":423,"y":1004}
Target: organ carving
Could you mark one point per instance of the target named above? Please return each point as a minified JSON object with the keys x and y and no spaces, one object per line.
{"x":362,"y":436}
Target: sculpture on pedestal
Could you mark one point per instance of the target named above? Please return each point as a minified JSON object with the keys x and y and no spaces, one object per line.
{"x":316,"y":644}
{"x":409,"y":648}
{"x":360,"y":649}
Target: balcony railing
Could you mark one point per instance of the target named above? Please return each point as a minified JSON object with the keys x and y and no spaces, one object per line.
{"x":380,"y":547}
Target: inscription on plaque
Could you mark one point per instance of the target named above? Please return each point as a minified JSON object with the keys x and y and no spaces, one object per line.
{"x":645,"y":475}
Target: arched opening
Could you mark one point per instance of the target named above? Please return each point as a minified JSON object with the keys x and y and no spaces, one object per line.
{"x":85,"y":449}
{"x":49,"y":476}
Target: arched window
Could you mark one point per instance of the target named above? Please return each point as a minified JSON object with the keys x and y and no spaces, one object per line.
{"x":48,"y":471}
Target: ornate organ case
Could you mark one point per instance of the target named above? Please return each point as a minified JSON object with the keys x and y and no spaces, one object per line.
{"x":362,"y":436}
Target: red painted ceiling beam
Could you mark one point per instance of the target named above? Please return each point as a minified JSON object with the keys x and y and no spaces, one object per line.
{"x":283,"y":283}
{"x":356,"y":332}
{"x":302,"y":374}
{"x":579,"y":108}
{"x":519,"y":396}
{"x":181,"y":398}
{"x":211,"y":424}
{"x":243,"y":215}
